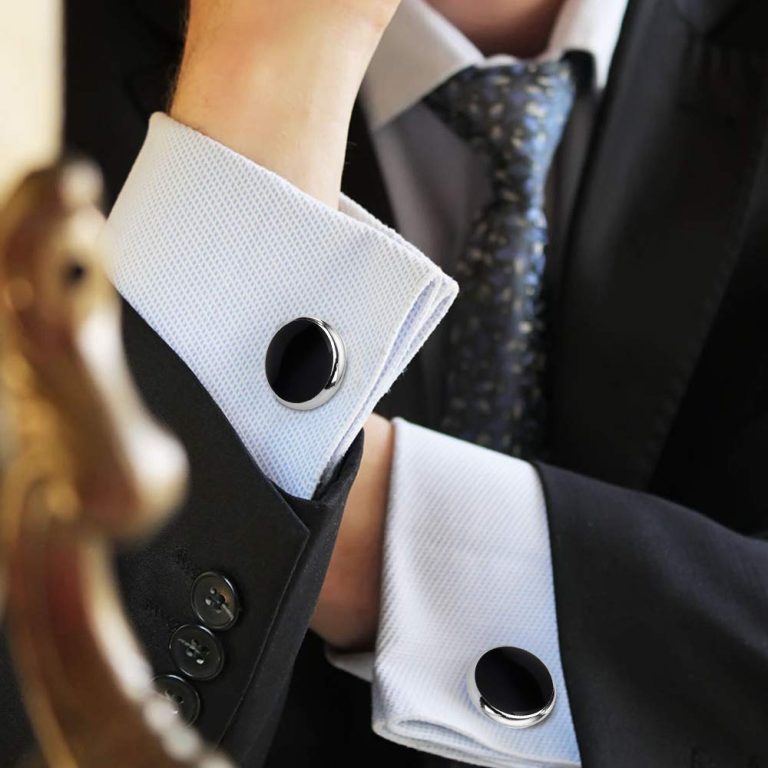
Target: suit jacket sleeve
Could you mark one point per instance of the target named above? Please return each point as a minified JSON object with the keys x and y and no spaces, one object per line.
{"x":212,"y":254}
{"x":662,"y":616}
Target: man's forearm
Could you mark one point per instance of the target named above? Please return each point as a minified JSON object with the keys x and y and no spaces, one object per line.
{"x":276,"y":82}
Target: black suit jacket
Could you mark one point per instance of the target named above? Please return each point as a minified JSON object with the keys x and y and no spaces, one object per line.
{"x":655,"y":490}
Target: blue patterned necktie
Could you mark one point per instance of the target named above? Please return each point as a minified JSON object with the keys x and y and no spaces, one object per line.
{"x":514,"y":115}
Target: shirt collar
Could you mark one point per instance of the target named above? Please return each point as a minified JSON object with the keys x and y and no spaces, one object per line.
{"x":421,"y":49}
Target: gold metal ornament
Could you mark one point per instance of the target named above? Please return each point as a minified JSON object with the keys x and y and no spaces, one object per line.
{"x":82,"y":463}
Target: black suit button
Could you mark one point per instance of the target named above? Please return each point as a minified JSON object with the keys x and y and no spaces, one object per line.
{"x":182,"y":696}
{"x":512,"y":687}
{"x":215,"y":601}
{"x":196,"y":652}
{"x":305,"y":363}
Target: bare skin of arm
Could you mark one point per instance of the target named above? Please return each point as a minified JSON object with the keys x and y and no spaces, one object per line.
{"x":276,"y":82}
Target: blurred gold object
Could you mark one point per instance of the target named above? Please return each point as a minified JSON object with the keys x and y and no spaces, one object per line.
{"x":82,"y":463}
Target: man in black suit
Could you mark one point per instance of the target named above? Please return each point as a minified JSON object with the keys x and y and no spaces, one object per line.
{"x":656,"y":390}
{"x":653,"y":481}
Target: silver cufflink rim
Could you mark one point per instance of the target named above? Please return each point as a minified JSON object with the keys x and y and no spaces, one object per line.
{"x":508,"y":719}
{"x":338,"y":368}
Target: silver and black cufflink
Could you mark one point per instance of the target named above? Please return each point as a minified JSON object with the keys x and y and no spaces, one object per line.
{"x":512,"y":687}
{"x":305,"y":363}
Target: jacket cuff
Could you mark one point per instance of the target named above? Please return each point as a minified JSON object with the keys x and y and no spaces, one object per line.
{"x":217,"y":253}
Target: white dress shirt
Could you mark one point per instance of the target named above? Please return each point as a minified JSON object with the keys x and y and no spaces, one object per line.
{"x":467,"y":564}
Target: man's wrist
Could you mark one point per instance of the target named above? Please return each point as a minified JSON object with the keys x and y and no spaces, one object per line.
{"x":277,"y":90}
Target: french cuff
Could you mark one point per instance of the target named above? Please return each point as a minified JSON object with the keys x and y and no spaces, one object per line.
{"x":466,"y":569}
{"x":217,"y":253}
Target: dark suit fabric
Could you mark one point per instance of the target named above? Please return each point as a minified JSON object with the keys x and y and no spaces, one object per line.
{"x":660,"y":387}
{"x":659,"y":409}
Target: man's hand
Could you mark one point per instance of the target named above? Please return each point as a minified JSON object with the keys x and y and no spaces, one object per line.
{"x":347,"y":612}
{"x":276,"y":81}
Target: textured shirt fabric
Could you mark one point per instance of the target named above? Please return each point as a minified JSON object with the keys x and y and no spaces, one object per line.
{"x":454,"y":589}
{"x":250,"y":253}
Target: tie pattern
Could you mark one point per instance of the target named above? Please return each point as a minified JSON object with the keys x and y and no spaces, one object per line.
{"x":514,"y":115}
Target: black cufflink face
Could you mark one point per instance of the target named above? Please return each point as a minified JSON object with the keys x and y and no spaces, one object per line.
{"x":305,"y":363}
{"x":512,"y":687}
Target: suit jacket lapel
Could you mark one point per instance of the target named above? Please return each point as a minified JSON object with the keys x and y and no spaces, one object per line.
{"x":657,"y":231}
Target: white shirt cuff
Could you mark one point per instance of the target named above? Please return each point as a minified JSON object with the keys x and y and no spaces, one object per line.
{"x":467,"y":568}
{"x":217,"y":253}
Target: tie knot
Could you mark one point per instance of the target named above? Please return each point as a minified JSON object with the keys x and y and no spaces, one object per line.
{"x":513,"y":113}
